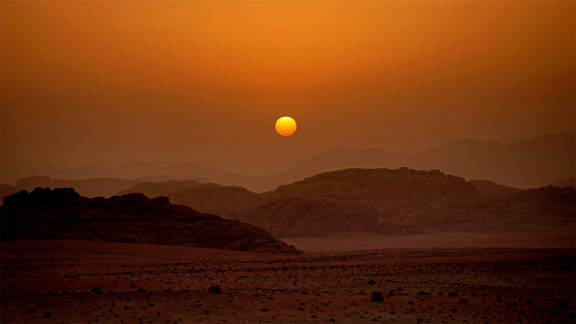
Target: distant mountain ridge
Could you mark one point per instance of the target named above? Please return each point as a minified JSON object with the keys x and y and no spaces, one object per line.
{"x":512,"y":161}
{"x":525,"y":163}
{"x":390,"y":201}
{"x":406,"y":201}
{"x":62,"y":214}
{"x":93,"y":187}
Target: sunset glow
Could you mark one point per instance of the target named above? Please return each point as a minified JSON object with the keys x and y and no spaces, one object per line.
{"x":286,"y":126}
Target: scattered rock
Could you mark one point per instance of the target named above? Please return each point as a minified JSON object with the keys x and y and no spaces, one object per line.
{"x":377,"y":297}
{"x":215,"y":289}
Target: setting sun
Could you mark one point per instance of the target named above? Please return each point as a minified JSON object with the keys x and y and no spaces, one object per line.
{"x":286,"y":126}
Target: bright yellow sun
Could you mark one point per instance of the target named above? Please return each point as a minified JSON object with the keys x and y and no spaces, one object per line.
{"x":286,"y":126}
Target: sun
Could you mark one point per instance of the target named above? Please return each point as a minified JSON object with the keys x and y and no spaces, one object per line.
{"x":285,"y":126}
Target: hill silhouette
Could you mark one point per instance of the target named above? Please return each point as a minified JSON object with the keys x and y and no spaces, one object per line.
{"x":408,"y":201}
{"x":6,"y":190}
{"x":399,"y":201}
{"x":523,"y":163}
{"x":104,"y":180}
{"x":491,"y":190}
{"x":62,"y":214}
{"x":93,"y":187}
{"x":512,"y":161}
{"x":226,"y":201}
{"x":568,"y":182}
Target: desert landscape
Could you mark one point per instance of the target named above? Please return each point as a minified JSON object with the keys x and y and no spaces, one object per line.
{"x":281,"y":161}
{"x":346,"y":246}
{"x":97,"y":282}
{"x":469,"y":251}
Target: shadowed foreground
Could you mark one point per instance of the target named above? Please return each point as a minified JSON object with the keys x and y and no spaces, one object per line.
{"x":94,"y":282}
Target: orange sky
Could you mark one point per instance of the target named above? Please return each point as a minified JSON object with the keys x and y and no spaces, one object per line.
{"x":205,"y":80}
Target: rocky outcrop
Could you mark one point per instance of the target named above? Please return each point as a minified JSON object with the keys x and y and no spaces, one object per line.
{"x":63,"y":214}
{"x":399,"y":185}
{"x":96,"y":187}
{"x":93,"y":187}
{"x":405,"y":201}
{"x":397,"y":201}
{"x":6,"y":190}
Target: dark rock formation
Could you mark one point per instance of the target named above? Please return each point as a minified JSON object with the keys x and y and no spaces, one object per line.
{"x":95,"y":187}
{"x":63,"y":214}
{"x":6,"y":190}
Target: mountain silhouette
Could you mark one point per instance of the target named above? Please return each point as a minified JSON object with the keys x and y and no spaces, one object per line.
{"x":226,"y":201}
{"x":491,"y":190}
{"x":62,"y":214}
{"x":512,"y":161}
{"x":390,"y":201}
{"x":568,"y":182}
{"x":6,"y":190}
{"x":524,"y":163}
{"x":405,"y":201}
{"x":94,"y":187}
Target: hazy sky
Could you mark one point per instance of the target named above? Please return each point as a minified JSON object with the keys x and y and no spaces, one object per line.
{"x":205,"y":80}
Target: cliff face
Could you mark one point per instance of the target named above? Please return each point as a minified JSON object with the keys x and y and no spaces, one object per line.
{"x":63,"y":214}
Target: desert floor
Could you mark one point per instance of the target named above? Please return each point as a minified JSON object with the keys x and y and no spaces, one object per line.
{"x":358,"y":241}
{"x":94,"y":282}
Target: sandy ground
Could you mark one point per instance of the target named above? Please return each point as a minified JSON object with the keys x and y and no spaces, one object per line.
{"x":92,"y":282}
{"x":357,"y":241}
